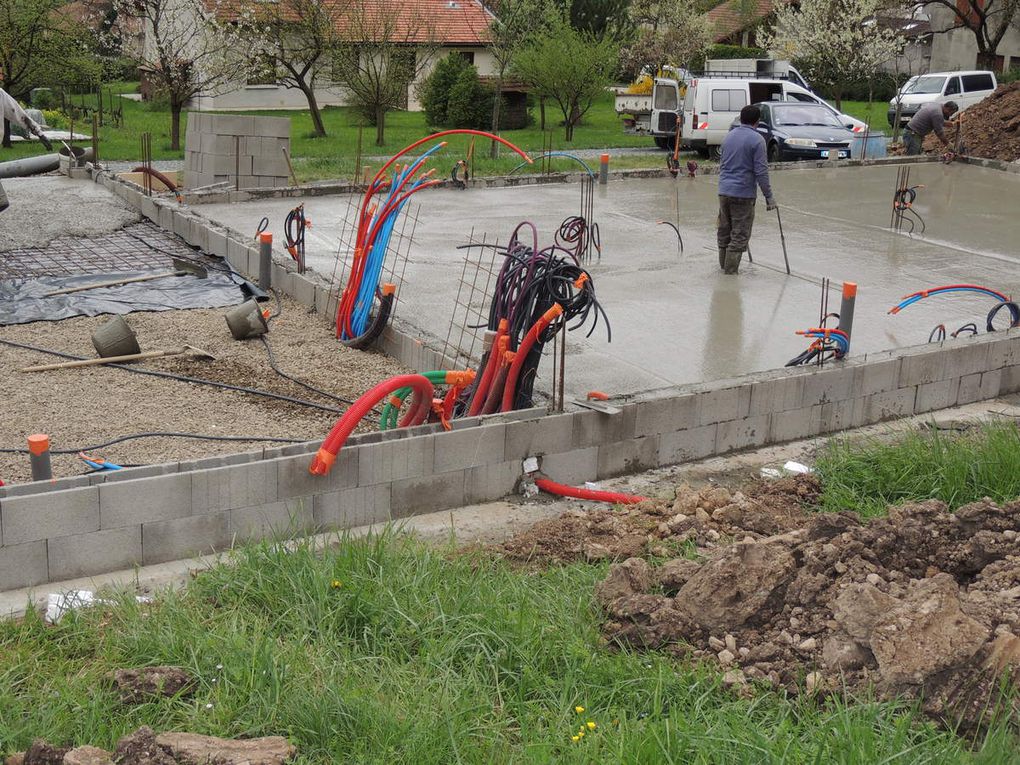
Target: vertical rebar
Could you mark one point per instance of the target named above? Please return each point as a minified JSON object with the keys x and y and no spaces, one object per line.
{"x":237,"y":163}
{"x":563,"y":358}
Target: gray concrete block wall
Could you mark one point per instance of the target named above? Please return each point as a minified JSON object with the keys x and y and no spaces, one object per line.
{"x":244,"y":150}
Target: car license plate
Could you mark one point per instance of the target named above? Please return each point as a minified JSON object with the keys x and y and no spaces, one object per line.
{"x":841,"y":154}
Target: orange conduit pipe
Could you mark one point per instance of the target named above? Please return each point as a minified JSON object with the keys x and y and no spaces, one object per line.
{"x":510,"y":389}
{"x":421,"y":405}
{"x":495,"y":395}
{"x":562,"y":490}
{"x":495,"y":352}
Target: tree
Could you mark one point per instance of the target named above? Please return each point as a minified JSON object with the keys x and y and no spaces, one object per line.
{"x":831,"y":42}
{"x":383,"y":50}
{"x":191,"y":47}
{"x":601,"y":18}
{"x":987,"y":20}
{"x":296,"y":39}
{"x":569,"y":66}
{"x":672,"y":32}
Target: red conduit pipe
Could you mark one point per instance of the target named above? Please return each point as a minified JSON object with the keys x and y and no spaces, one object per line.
{"x":510,"y":389}
{"x":495,"y":353}
{"x":495,"y":395}
{"x":562,"y":490}
{"x":421,"y":403}
{"x":170,"y":185}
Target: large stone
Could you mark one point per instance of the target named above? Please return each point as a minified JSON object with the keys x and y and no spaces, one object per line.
{"x":192,"y":749}
{"x":631,"y":577}
{"x":729,"y":589}
{"x":88,"y":755}
{"x":858,"y":607}
{"x":673,"y":574}
{"x":925,"y":633}
{"x":840,"y":652}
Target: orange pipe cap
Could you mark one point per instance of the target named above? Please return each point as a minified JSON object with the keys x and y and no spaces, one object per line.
{"x":38,"y":443}
{"x":266,"y":237}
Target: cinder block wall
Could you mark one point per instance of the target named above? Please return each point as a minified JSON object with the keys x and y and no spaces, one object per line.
{"x":93,"y":524}
{"x":236,"y":148}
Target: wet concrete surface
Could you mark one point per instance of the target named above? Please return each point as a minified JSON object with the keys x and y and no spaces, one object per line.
{"x":675,"y":317}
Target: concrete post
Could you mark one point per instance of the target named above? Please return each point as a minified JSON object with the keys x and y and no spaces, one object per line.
{"x":846,"y":308}
{"x":39,"y":454}
{"x":266,"y":260}
{"x":604,"y":169}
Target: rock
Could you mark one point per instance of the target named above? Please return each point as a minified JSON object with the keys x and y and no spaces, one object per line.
{"x":744,"y":652}
{"x":858,"y":607}
{"x":18,"y":758}
{"x":192,"y":749}
{"x":595,"y":551}
{"x":140,"y":748}
{"x":734,"y":677}
{"x":44,"y":753}
{"x":813,"y":682}
{"x":874,"y":580}
{"x":731,"y":643}
{"x":715,"y":643}
{"x":712,"y":499}
{"x":925,"y":633}
{"x":673,"y":574}
{"x":702,"y":517}
{"x":808,"y":645}
{"x":137,"y":686}
{"x":88,"y":755}
{"x":727,"y":590}
{"x":631,"y":577}
{"x":1004,"y":653}
{"x":731,"y":514}
{"x":713,"y":535}
{"x":725,"y":657}
{"x":840,"y":652}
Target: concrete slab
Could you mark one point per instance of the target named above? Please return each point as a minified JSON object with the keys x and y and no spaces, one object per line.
{"x":675,"y":317}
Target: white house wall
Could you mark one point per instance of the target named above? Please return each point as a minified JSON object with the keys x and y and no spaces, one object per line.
{"x":957,"y":49}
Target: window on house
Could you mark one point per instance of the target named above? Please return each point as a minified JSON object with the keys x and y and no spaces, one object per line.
{"x":469,"y":56}
{"x":404,"y":61}
{"x":265,"y":73}
{"x":974,"y":82}
{"x":728,"y":100}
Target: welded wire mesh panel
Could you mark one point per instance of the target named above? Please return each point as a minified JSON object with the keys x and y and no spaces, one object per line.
{"x":471,"y":307}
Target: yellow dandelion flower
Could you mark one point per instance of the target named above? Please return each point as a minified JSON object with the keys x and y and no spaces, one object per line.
{"x":579,"y":710}
{"x":580,"y":733}
{"x":591,"y":725}
{"x":575,"y":738}
{"x":336,"y":584}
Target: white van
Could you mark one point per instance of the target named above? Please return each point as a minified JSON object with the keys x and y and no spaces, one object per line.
{"x":965,"y":88}
{"x":712,"y":103}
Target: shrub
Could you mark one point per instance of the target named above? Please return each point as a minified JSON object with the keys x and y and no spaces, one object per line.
{"x":452,"y":95}
{"x":434,"y":91}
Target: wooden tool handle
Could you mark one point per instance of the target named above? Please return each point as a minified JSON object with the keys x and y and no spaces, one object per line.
{"x":106,"y":360}
{"x":113,"y":283}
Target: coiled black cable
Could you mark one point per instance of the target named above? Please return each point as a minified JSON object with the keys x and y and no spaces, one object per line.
{"x":1014,"y":315}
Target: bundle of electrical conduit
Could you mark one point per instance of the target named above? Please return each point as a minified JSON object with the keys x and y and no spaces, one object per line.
{"x":375,"y":223}
{"x":1003,"y":302}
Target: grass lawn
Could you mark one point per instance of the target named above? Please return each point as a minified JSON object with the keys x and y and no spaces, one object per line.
{"x":334,"y":156}
{"x":384,"y":650}
{"x":874,"y":113}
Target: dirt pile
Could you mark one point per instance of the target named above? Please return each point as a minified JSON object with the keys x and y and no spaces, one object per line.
{"x":144,"y":747}
{"x":990,"y":129}
{"x":922,"y":604}
{"x":693,"y":520}
{"x":137,"y":686}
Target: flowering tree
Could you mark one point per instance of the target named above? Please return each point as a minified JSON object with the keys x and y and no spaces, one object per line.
{"x":672,"y":32}
{"x":831,"y":42}
{"x":191,"y":47}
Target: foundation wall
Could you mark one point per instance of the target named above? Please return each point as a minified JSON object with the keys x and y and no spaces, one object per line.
{"x":243,"y":150}
{"x":88,"y":525}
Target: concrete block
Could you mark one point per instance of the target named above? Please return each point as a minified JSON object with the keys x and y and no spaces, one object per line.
{"x":742,"y":434}
{"x":594,"y":428}
{"x":687,"y":445}
{"x":216,"y":243}
{"x":214,"y":490}
{"x":1004,"y":350}
{"x":920,"y":368}
{"x":198,"y":235}
{"x":1009,"y":380}
{"x":277,"y":520}
{"x":237,"y":256}
{"x":664,"y":415}
{"x":181,"y":224}
{"x":166,"y":218}
{"x":469,"y":448}
{"x":192,"y":142}
{"x":163,"y":541}
{"x":395,"y":460}
{"x":23,"y":565}
{"x":413,"y":496}
{"x":143,"y":471}
{"x":101,"y":551}
{"x":796,"y":424}
{"x":966,"y":356}
{"x":127,"y":503}
{"x":777,"y":395}
{"x":148,"y":208}
{"x":230,"y":124}
{"x":270,"y":165}
{"x":573,"y":467}
{"x":890,"y":405}
{"x":222,"y":145}
{"x":631,"y":456}
{"x":303,"y":290}
{"x":835,"y":384}
{"x":40,"y":487}
{"x":877,"y":377}
{"x":546,"y":435}
{"x":52,"y":514}
{"x":272,"y":127}
{"x":325,"y":303}
{"x":486,"y":483}
{"x":936,"y":395}
{"x":349,"y":508}
{"x":294,"y":480}
{"x":978,"y":387}
{"x":231,"y":166}
{"x":841,"y":415}
{"x":991,"y":382}
{"x":724,"y":404}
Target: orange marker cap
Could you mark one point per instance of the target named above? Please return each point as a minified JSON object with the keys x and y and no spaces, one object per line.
{"x":849,"y":289}
{"x":388,"y":289}
{"x":38,"y":443}
{"x":266,"y":237}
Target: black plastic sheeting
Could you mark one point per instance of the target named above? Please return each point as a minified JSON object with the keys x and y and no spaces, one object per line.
{"x":22,"y":301}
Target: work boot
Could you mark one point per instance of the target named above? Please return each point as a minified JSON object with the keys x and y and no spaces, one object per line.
{"x":722,"y":258}
{"x":732,"y":261}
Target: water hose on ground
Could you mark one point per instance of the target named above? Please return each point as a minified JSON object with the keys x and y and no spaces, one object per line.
{"x":562,"y":490}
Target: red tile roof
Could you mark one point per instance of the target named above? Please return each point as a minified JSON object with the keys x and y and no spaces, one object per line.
{"x":735,"y":16}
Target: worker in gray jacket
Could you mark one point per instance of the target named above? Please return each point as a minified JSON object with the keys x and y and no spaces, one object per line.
{"x":743,"y":166}
{"x":929,"y":118}
{"x":11,"y":111}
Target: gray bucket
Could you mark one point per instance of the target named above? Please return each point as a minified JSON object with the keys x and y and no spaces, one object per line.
{"x":115,"y":338}
{"x":246,"y":320}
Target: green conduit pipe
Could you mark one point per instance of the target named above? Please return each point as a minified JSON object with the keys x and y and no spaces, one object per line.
{"x":388,"y":420}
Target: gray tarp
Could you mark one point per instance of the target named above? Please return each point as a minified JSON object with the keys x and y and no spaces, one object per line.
{"x":22,"y":301}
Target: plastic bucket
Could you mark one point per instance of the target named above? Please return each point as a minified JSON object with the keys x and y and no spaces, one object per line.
{"x":115,"y":338}
{"x":246,"y":320}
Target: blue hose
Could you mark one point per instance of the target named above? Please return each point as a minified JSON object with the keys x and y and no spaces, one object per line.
{"x":574,"y":157}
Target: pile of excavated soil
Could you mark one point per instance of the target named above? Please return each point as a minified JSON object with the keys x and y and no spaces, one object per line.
{"x":92,"y":405}
{"x":921,"y":604}
{"x":990,"y":129}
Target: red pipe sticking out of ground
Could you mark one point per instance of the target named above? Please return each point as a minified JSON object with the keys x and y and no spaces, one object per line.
{"x":421,"y":405}
{"x":562,"y":490}
{"x":510,"y":389}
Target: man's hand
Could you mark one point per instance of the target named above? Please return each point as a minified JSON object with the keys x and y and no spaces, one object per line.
{"x":771,"y":204}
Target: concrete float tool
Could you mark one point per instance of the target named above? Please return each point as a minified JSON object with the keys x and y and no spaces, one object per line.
{"x":191,"y":349}
{"x":183,"y":268}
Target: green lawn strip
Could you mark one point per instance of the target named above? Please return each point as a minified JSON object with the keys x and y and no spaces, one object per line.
{"x":385,"y":650}
{"x":957,"y":468}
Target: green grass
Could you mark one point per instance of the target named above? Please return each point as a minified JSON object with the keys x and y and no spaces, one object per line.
{"x":957,"y":468}
{"x":335,"y":155}
{"x":424,"y":656}
{"x":874,"y":113}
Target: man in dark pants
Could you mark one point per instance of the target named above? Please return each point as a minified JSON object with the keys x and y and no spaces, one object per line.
{"x":11,"y":110}
{"x":930,"y":118}
{"x":743,"y":164}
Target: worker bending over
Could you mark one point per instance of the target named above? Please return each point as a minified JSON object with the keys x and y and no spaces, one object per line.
{"x":929,"y":118}
{"x":11,"y":111}
{"x":743,"y":166}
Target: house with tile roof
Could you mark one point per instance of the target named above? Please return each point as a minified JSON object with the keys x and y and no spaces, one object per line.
{"x":739,"y":22}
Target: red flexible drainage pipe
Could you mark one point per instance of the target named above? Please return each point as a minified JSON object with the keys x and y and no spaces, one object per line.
{"x":421,"y":404}
{"x":562,"y":490}
{"x":495,"y":353}
{"x":510,"y":389}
